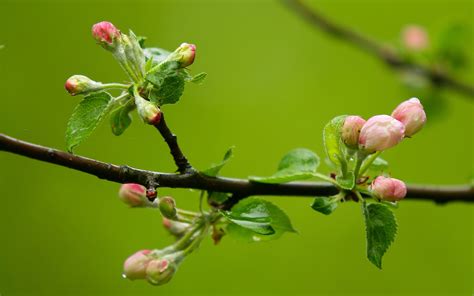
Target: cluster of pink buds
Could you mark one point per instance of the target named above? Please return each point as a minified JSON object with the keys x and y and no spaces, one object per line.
{"x":150,"y":265}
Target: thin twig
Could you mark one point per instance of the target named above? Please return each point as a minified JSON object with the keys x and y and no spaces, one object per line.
{"x":381,"y":51}
{"x":240,"y":188}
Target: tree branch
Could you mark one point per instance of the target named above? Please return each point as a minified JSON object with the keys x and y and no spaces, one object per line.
{"x":381,"y":51}
{"x":240,"y":188}
{"x":179,"y":159}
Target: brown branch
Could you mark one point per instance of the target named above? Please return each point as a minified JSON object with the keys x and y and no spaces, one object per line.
{"x":381,"y":51}
{"x":240,"y":188}
{"x":179,"y":159}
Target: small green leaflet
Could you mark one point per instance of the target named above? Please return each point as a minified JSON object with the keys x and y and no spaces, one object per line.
{"x":215,"y":168}
{"x":324,"y":205}
{"x":378,"y":166}
{"x":346,"y":182}
{"x":85,"y":118}
{"x":157,"y":54}
{"x":168,"y":87}
{"x":332,"y":140}
{"x":298,"y":164}
{"x":252,"y":220}
{"x":217,"y":198}
{"x":198,"y":78}
{"x":120,"y":119}
{"x":381,"y":228}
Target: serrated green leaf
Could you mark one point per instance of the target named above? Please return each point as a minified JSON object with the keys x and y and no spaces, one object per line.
{"x":168,"y":87}
{"x":332,"y":140}
{"x":258,"y":211}
{"x":157,"y":54}
{"x":378,"y":166}
{"x":120,"y":119}
{"x":298,"y":164}
{"x":381,"y":229}
{"x":324,"y":205}
{"x":198,"y":78}
{"x":85,"y":118}
{"x":215,"y":168}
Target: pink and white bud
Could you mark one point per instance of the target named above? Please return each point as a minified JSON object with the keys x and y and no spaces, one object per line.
{"x":135,"y":266}
{"x":160,"y":271}
{"x":351,"y":130}
{"x":80,"y":84}
{"x":412,"y":115}
{"x":106,"y":34}
{"x":415,"y":38}
{"x":149,"y":112}
{"x":133,"y":195}
{"x":177,"y":229}
{"x":380,"y":132}
{"x":389,"y":189}
{"x":184,"y":54}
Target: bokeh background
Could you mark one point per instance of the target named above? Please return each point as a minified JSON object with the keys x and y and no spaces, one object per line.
{"x":273,"y":83}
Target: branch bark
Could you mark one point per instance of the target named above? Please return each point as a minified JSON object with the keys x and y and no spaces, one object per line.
{"x":381,"y":51}
{"x":194,"y":180}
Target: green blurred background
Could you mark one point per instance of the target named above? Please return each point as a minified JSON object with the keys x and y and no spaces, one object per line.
{"x":273,"y":83}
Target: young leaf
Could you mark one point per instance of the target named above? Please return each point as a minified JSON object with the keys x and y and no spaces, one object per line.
{"x":346,"y":182}
{"x":381,"y":228}
{"x":332,"y":140}
{"x":217,"y":198}
{"x":169,"y":86}
{"x":262,"y":214}
{"x":120,"y":119}
{"x":85,"y":118}
{"x":198,"y":78}
{"x":215,"y":168}
{"x":378,"y":166}
{"x":157,"y":54}
{"x":298,"y":164}
{"x":324,"y":205}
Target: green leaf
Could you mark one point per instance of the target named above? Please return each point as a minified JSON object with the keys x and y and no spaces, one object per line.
{"x":198,"y":78}
{"x":346,"y":182}
{"x":157,"y":54}
{"x":168,"y":87}
{"x":332,"y":140}
{"x":378,"y":166}
{"x":298,"y":164}
{"x":217,"y":197}
{"x":215,"y":168}
{"x":85,"y":118}
{"x":324,"y":205}
{"x":254,"y":216}
{"x":120,"y":119}
{"x":381,"y":228}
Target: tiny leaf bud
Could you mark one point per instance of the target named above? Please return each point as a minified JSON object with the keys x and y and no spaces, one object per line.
{"x":167,"y":207}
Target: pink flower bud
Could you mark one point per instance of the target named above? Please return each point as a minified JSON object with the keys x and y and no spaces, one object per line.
{"x":175,"y":228}
{"x":411,"y":114}
{"x":106,"y":34}
{"x":389,"y":189}
{"x":133,"y":195}
{"x":80,"y":84}
{"x":184,"y":54}
{"x":160,"y":271}
{"x":351,"y":130}
{"x":135,"y":266}
{"x":380,"y":133}
{"x":167,"y":207}
{"x":149,"y":112}
{"x":415,"y":38}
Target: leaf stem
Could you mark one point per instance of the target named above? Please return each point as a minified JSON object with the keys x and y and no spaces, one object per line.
{"x":368,"y":162}
{"x":325,"y":178}
{"x":115,"y":86}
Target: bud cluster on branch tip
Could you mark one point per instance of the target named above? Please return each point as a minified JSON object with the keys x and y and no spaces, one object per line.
{"x":175,"y":228}
{"x":415,"y":38}
{"x":380,"y":132}
{"x":412,"y":115}
{"x":133,"y":195}
{"x":81,"y":85}
{"x":106,"y":34}
{"x":351,"y":130}
{"x":167,"y":207}
{"x":160,"y":271}
{"x":184,"y":55}
{"x":389,"y":189}
{"x":149,"y":112}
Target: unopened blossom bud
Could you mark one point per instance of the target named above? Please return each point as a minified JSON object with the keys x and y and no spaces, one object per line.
{"x":412,"y":115}
{"x":135,"y":266}
{"x":133,"y":195}
{"x":80,"y":84}
{"x":389,"y":189}
{"x":175,"y":228}
{"x":184,"y":54}
{"x":380,"y":132}
{"x":148,"y":111}
{"x":106,"y":35}
{"x":167,"y":207}
{"x":160,"y":271}
{"x":351,"y":130}
{"x":415,"y":38}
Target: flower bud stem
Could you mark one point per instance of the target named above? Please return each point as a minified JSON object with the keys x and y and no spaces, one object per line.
{"x":360,"y":156}
{"x":115,"y":86}
{"x":368,"y":162}
{"x":325,"y":178}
